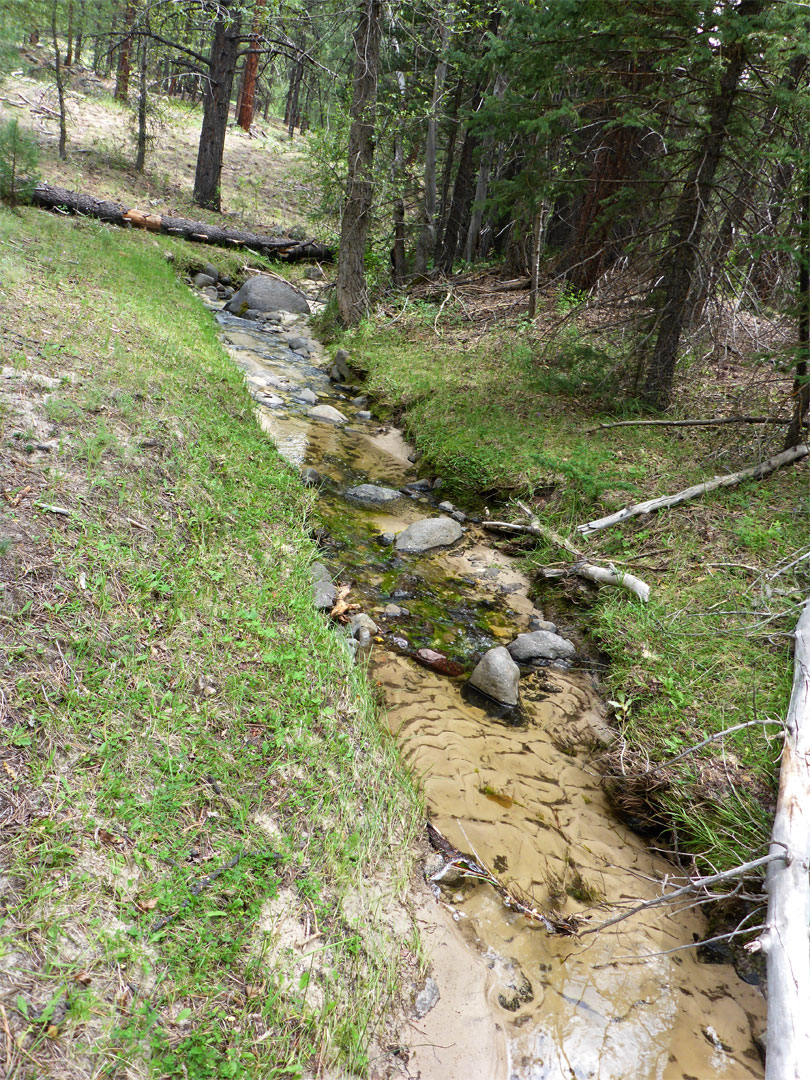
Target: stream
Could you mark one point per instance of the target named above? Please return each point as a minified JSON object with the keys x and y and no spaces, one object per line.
{"x":514,"y":788}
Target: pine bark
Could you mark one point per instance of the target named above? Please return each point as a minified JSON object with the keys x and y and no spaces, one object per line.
{"x":247,"y":97}
{"x":216,"y":102}
{"x":125,"y":54}
{"x":352,"y":297}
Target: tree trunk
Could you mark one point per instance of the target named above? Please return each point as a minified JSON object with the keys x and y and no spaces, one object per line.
{"x":216,"y":102}
{"x":60,"y":85}
{"x":462,"y":199}
{"x":69,"y":50}
{"x":292,"y":97}
{"x":680,"y":260}
{"x":427,"y":235}
{"x":449,"y":162}
{"x":77,"y":48}
{"x":472,"y":246}
{"x":140,"y":157}
{"x":125,"y":54}
{"x":801,"y":385}
{"x":352,"y":298}
{"x":784,"y":940}
{"x":398,"y":178}
{"x":247,"y":97}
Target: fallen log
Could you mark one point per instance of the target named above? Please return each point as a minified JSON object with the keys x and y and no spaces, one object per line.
{"x":600,"y":575}
{"x":717,"y":421}
{"x":753,"y":472}
{"x":785,"y":938}
{"x":50,"y":197}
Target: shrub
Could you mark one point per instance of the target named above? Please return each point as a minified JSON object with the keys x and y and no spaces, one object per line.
{"x":19,"y":156}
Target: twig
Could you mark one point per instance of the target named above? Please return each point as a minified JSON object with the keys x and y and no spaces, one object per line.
{"x":706,"y":741}
{"x":51,"y":509}
{"x":693,"y":886}
{"x":9,"y":1041}
{"x":195,"y":889}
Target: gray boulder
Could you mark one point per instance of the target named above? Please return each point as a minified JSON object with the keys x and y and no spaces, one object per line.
{"x":540,"y":645}
{"x":429,"y":533}
{"x":340,"y":367}
{"x":306,"y":395}
{"x":328,"y":413}
{"x":210,"y":292}
{"x":212,"y":272}
{"x":373,"y":493}
{"x":497,"y":675}
{"x":536,"y":623}
{"x":299,"y":344}
{"x":426,"y":999}
{"x":324,"y":592}
{"x":203,"y":280}
{"x":314,"y":273}
{"x":310,"y":477}
{"x":268,"y":294}
{"x":361,"y":621}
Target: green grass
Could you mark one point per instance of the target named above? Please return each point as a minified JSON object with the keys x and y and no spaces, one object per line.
{"x":190,"y":754}
{"x":507,"y":417}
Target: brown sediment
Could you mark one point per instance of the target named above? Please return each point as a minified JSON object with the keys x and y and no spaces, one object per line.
{"x":520,"y":794}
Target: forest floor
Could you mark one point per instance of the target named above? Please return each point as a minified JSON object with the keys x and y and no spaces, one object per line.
{"x":140,"y":585}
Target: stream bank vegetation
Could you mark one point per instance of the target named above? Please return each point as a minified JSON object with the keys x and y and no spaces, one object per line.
{"x":194,"y":784}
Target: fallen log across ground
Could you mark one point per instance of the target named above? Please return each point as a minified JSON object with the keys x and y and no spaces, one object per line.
{"x":601,"y":575}
{"x":784,"y":940}
{"x":50,"y":197}
{"x":717,"y":421}
{"x":753,"y":472}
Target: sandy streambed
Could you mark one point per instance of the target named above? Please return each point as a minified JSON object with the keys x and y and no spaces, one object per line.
{"x":518,"y":792}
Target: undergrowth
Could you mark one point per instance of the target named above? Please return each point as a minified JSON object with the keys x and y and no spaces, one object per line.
{"x":506,"y":414}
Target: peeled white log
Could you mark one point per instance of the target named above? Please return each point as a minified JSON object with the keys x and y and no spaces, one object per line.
{"x":785,"y":938}
{"x":602,"y":575}
{"x":753,"y":472}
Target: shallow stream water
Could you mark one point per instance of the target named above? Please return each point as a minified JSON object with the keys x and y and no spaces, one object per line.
{"x":518,"y":791}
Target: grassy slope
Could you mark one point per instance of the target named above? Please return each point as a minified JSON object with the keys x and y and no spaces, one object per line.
{"x":170,"y":700}
{"x":712,"y":649}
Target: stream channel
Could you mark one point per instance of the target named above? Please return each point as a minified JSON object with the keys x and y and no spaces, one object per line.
{"x":517,"y":790}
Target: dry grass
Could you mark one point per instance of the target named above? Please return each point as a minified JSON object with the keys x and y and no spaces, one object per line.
{"x":263,"y":179}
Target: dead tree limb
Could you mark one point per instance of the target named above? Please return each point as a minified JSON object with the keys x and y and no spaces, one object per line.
{"x":717,"y":421}
{"x":693,"y":886}
{"x":601,"y":575}
{"x":785,"y":939}
{"x":50,"y":197}
{"x":753,"y":472}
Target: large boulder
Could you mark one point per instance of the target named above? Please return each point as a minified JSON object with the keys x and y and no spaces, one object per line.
{"x":540,"y":645}
{"x":267,"y":294}
{"x":429,"y":533}
{"x":497,"y":675}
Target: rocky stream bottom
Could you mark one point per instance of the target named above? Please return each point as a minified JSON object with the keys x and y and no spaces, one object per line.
{"x":514,"y":788}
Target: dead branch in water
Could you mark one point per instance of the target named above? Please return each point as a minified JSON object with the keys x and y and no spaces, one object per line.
{"x":512,"y":897}
{"x":601,"y":575}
